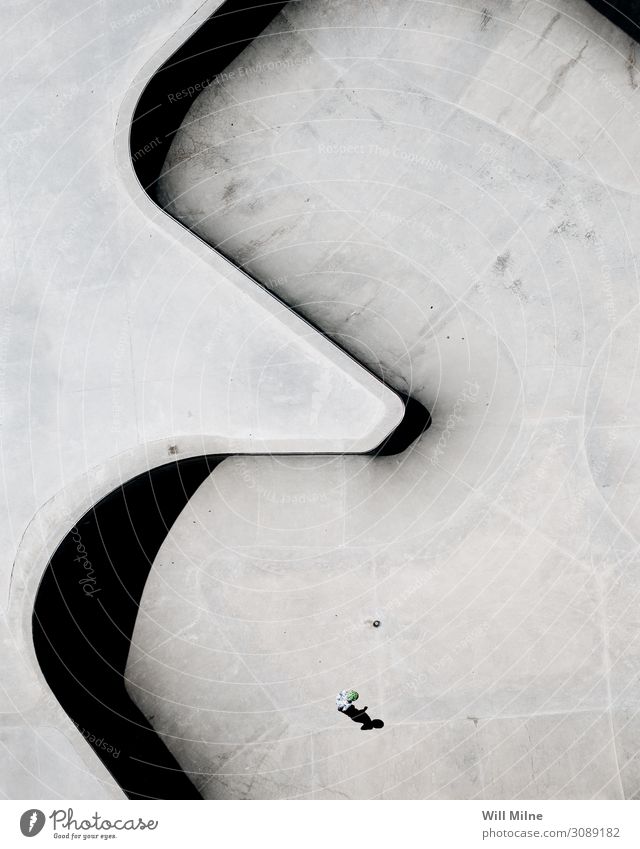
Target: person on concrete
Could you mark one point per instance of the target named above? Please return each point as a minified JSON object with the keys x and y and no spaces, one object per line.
{"x":345,"y":703}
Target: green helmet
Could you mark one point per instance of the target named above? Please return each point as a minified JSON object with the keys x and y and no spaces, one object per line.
{"x":353,"y":696}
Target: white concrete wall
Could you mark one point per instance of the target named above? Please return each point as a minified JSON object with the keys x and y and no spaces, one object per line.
{"x":452,"y":192}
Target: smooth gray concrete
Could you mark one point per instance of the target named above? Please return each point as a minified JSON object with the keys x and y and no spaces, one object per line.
{"x":126,"y":342}
{"x":451,"y":191}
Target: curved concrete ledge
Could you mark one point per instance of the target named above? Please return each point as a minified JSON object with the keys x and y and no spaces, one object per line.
{"x":85,"y":612}
{"x":385,"y":406}
{"x":79,"y":643}
{"x":87,"y":603}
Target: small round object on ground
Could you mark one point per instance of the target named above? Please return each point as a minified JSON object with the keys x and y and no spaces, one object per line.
{"x":376,"y":623}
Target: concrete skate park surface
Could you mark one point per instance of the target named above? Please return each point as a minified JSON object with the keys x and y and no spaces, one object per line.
{"x":128,"y":343}
{"x":450,"y":192}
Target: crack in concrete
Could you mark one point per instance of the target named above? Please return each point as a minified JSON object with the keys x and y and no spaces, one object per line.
{"x":556,"y":83}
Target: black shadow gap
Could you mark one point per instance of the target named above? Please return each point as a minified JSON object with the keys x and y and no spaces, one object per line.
{"x":173,"y":88}
{"x":85,"y":612}
{"x":623,"y":13}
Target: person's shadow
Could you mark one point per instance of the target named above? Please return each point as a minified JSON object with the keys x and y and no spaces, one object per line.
{"x":361,"y":716}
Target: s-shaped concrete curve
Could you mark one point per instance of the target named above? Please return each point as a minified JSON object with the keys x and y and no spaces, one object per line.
{"x":82,"y":648}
